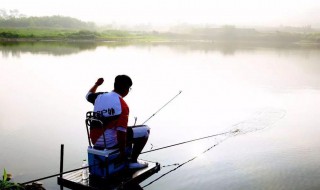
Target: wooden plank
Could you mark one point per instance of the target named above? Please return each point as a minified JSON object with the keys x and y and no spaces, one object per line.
{"x":127,"y":179}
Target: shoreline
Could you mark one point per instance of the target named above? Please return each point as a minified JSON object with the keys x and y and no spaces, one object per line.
{"x":166,"y":41}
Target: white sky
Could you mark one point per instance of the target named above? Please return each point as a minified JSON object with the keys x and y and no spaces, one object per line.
{"x":158,"y":12}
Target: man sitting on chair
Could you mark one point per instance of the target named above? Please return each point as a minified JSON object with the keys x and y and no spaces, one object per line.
{"x":115,"y":114}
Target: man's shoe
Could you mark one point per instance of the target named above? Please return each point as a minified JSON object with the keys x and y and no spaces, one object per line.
{"x":137,"y":165}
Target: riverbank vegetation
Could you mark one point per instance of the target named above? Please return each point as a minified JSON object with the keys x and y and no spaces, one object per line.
{"x":16,"y":27}
{"x":236,"y":35}
{"x":7,"y":184}
{"x":45,"y":34}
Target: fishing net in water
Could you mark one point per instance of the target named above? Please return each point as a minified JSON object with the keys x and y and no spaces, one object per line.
{"x":260,"y":120}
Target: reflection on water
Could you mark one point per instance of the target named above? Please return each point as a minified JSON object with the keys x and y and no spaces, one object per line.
{"x":42,"y":102}
{"x":66,"y":48}
{"x":49,"y":48}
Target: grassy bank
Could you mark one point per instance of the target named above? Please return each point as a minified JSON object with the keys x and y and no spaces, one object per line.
{"x":204,"y":35}
{"x":38,"y":34}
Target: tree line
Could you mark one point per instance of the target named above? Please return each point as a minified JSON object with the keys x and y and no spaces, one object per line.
{"x":13,"y":19}
{"x":14,"y":25}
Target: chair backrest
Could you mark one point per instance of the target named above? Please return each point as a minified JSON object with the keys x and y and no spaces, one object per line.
{"x":93,"y":120}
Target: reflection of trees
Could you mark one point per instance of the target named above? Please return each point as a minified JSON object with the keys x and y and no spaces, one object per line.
{"x":50,"y":48}
{"x":53,"y":48}
{"x":67,"y":48}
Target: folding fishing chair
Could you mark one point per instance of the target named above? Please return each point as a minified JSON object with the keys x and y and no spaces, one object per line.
{"x":103,"y":161}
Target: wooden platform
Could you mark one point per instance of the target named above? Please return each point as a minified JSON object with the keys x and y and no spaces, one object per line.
{"x":128,"y":179}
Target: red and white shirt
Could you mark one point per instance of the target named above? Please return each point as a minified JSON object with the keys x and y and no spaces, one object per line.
{"x":110,"y":105}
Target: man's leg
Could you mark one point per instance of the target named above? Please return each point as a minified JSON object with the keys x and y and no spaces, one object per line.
{"x":140,"y":135}
{"x":138,"y":145}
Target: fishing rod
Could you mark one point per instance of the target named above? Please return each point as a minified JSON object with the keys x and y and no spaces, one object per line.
{"x":180,"y":165}
{"x":61,"y":173}
{"x":162,"y":107}
{"x":236,"y":131}
{"x":192,"y":140}
{"x":56,"y":175}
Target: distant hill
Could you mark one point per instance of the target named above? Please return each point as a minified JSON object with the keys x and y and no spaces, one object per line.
{"x":54,"y":22}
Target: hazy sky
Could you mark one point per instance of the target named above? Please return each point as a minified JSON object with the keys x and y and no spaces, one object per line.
{"x":235,"y":12}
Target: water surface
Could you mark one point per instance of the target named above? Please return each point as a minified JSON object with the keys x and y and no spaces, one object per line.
{"x":43,"y":86}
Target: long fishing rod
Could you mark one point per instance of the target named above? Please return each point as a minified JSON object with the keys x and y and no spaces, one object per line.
{"x":180,"y":165}
{"x":235,"y":131}
{"x":56,"y":175}
{"x":162,"y":107}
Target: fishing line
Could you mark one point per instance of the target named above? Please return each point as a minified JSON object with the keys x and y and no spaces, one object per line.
{"x":55,"y":175}
{"x":184,"y":163}
{"x":162,"y":107}
{"x":260,"y":121}
{"x":169,"y":165}
{"x":177,"y":144}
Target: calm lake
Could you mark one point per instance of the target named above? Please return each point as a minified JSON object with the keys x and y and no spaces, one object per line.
{"x":271,"y":94}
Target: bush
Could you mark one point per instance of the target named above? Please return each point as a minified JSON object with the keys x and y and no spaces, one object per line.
{"x":5,"y":183}
{"x":84,"y":34}
{"x":8,"y":35}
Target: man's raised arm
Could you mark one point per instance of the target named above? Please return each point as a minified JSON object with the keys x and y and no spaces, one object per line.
{"x":90,"y":95}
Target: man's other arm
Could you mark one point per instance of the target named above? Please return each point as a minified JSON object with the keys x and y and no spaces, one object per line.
{"x":91,"y":95}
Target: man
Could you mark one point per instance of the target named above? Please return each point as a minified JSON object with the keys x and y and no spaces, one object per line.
{"x":115,"y":114}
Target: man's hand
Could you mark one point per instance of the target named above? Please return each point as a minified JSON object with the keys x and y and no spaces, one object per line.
{"x":99,"y":81}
